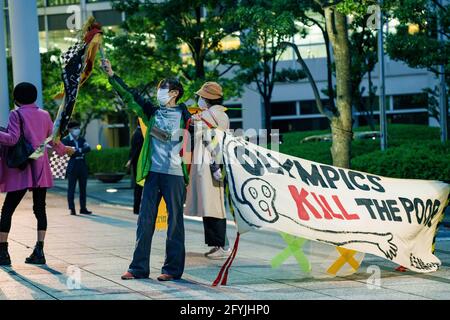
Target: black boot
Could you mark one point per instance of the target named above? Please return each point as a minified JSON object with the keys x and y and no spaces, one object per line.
{"x":5,"y":260}
{"x":37,"y":257}
{"x":85,"y":211}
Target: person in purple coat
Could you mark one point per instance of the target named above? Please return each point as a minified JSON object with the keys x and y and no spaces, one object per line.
{"x":36,"y":177}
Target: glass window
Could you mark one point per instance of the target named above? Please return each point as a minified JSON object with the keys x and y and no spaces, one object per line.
{"x":310,"y":106}
{"x":399,"y":118}
{"x":410,"y":101}
{"x":288,"y":108}
{"x":236,"y":125}
{"x":108,"y":17}
{"x":376,"y":103}
{"x":409,"y":118}
{"x":58,"y":21}
{"x":234,"y":114}
{"x":61,"y":39}
{"x":41,"y":21}
{"x":320,"y":123}
{"x":62,"y":2}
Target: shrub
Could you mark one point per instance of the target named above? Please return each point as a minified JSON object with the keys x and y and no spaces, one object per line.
{"x":414,"y":152}
{"x":418,"y":160}
{"x":107,"y":160}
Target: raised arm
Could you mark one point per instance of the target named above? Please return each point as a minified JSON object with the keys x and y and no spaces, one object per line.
{"x":128,"y":95}
{"x":128,"y":99}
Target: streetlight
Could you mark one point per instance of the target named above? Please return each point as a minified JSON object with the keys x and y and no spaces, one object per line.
{"x":383,"y":121}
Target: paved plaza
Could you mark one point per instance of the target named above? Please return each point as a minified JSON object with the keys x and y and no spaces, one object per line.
{"x":86,"y":256}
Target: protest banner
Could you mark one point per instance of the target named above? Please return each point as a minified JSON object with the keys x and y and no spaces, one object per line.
{"x":395,"y":219}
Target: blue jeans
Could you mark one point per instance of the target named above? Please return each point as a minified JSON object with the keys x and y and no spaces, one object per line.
{"x":173,"y":189}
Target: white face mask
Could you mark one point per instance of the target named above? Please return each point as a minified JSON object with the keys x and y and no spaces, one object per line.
{"x":163,"y":96}
{"x":76,"y":132}
{"x":202,"y":104}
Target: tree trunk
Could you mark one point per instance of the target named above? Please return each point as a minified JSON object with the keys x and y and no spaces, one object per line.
{"x":326,"y":112}
{"x":200,"y":69}
{"x":341,"y":125}
{"x":371,"y":98}
{"x":267,"y":115}
{"x":329,"y":72}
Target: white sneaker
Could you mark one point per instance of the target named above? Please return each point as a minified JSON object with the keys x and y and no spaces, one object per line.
{"x":217,"y":253}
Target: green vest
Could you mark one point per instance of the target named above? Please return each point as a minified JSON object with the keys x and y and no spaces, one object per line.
{"x":145,"y":157}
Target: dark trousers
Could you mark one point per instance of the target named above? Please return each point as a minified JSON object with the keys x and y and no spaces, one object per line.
{"x":173,"y":190}
{"x":137,"y":198}
{"x":13,"y":199}
{"x":215,"y":232}
{"x":137,"y":193}
{"x":79,"y":173}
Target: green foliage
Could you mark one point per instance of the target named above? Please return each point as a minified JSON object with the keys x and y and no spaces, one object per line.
{"x":266,"y":24}
{"x":135,"y":60}
{"x":107,"y":160}
{"x":414,"y":152}
{"x":420,"y":49}
{"x":171,"y":24}
{"x":424,"y":160}
{"x":51,"y":79}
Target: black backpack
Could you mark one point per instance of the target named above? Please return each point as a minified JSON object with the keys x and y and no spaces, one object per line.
{"x":17,"y":156}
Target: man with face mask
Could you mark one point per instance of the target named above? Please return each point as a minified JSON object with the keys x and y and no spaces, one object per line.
{"x":77,"y":169}
{"x":162,"y":170}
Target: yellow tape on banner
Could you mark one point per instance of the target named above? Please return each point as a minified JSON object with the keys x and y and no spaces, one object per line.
{"x":347,"y":256}
{"x":161,"y":219}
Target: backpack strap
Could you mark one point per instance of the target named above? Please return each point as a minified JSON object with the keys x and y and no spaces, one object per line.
{"x":21,"y":123}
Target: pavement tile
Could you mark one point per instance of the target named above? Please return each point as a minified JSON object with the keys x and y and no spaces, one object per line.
{"x":102,"y":246}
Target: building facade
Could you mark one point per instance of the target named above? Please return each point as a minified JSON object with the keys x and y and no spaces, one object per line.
{"x":293,"y":103}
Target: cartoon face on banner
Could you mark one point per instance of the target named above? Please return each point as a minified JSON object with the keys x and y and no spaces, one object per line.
{"x":392,"y":218}
{"x":259,"y":196}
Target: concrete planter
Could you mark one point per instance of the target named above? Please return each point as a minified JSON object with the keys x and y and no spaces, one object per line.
{"x":112,"y":177}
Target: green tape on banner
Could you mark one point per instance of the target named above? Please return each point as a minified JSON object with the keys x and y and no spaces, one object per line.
{"x":294,"y":248}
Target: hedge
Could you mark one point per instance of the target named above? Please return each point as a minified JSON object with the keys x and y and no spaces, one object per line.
{"x":107,"y":160}
{"x":418,"y":160}
{"x":414,"y":152}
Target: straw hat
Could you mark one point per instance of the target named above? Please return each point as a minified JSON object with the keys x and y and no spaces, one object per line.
{"x":210,"y":91}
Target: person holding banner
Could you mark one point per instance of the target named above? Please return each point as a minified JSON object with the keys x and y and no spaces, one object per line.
{"x":205,"y":193}
{"x":30,"y":122}
{"x":161,"y":166}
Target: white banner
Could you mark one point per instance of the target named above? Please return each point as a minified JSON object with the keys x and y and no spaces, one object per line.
{"x":391,"y":218}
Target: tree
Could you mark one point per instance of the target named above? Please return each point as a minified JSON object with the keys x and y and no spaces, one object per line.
{"x":199,"y":25}
{"x":341,"y":120}
{"x":95,"y":100}
{"x":311,"y":13}
{"x":51,"y":79}
{"x":416,"y":38}
{"x":134,"y":59}
{"x":266,"y":26}
{"x":363,"y":46}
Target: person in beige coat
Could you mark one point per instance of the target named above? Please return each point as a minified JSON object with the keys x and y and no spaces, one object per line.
{"x":205,"y":194}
